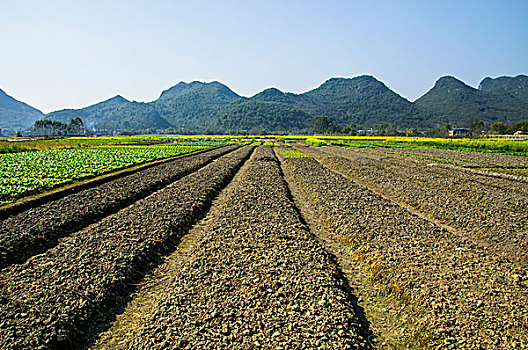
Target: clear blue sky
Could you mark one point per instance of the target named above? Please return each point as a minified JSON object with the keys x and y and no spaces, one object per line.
{"x":70,"y":54}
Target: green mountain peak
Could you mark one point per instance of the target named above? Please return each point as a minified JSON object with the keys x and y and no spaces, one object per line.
{"x":16,"y":115}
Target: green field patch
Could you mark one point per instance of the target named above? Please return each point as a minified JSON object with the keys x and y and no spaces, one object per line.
{"x":316,"y":142}
{"x":25,"y":172}
{"x":293,"y":154}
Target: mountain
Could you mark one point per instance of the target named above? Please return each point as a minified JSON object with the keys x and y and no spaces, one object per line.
{"x":452,"y":101}
{"x":189,"y":106}
{"x":212,"y":107}
{"x":275,"y":95}
{"x":355,"y":103}
{"x":517,"y":86}
{"x":260,"y":117}
{"x":362,"y":102}
{"x":16,"y":115}
{"x":185,"y":106}
{"x":114,"y":113}
{"x":218,"y":92}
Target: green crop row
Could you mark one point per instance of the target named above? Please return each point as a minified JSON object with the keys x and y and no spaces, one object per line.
{"x":293,"y":154}
{"x":29,"y":171}
{"x":316,"y":142}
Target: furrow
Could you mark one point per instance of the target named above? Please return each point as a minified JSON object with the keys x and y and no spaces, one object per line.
{"x":496,"y":181}
{"x":154,"y":286}
{"x":494,"y":217}
{"x":35,"y":230}
{"x":257,"y":279}
{"x":60,"y":298}
{"x":475,"y":159}
{"x":422,"y":286}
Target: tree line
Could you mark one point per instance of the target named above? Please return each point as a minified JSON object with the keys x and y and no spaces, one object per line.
{"x":508,"y":129}
{"x":47,"y":127}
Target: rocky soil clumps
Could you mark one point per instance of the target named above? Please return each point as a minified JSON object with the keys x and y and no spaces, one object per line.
{"x":464,"y":158}
{"x":37,"y":229}
{"x":258,"y":279}
{"x":443,"y":290}
{"x":490,"y":209}
{"x":57,"y":299}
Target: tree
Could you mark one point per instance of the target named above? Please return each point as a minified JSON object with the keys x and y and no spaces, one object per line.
{"x":499,"y":128}
{"x":349,"y":130}
{"x":75,"y":127}
{"x":438,"y":132}
{"x":475,"y":126}
{"x":388,"y":129}
{"x":522,"y":126}
{"x":54,"y":127}
{"x":411,"y":132}
{"x":18,"y":134}
{"x":48,"y":127}
{"x":325,"y":125}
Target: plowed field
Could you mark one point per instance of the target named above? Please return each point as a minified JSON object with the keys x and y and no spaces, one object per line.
{"x":241,"y":247}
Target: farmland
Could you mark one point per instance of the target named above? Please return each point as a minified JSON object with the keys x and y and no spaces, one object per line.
{"x":296,"y":243}
{"x":24,"y":172}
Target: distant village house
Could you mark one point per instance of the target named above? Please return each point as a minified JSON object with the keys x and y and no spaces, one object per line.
{"x":458,"y":132}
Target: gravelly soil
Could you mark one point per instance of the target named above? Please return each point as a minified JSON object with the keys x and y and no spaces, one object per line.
{"x":454,"y":292}
{"x":37,"y":229}
{"x":464,"y":158}
{"x":258,"y":279}
{"x":155,"y":284}
{"x":489,"y":165}
{"x":436,"y":255}
{"x":57,"y":299}
{"x":489,"y":208}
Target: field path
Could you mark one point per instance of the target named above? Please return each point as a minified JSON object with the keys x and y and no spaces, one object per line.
{"x":258,"y":278}
{"x":152,"y":288}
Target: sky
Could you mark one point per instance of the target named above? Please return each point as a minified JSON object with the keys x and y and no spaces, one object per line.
{"x":70,"y":54}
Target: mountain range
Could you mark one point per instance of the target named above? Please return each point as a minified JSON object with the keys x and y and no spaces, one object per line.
{"x":361,"y":102}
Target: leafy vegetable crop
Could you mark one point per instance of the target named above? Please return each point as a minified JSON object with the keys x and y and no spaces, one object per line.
{"x":316,"y":142}
{"x":28,"y":171}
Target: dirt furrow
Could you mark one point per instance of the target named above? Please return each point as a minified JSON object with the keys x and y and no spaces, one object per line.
{"x":422,"y":286}
{"x":475,"y":159}
{"x":35,"y":230}
{"x":60,"y":298}
{"x":497,"y":181}
{"x":257,"y":279}
{"x":155,"y":284}
{"x":493,"y":216}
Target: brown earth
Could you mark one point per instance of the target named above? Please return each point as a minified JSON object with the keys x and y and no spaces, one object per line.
{"x":351,"y":249}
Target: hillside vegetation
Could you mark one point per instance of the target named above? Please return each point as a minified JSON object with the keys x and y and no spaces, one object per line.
{"x":339,"y":105}
{"x":16,"y":115}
